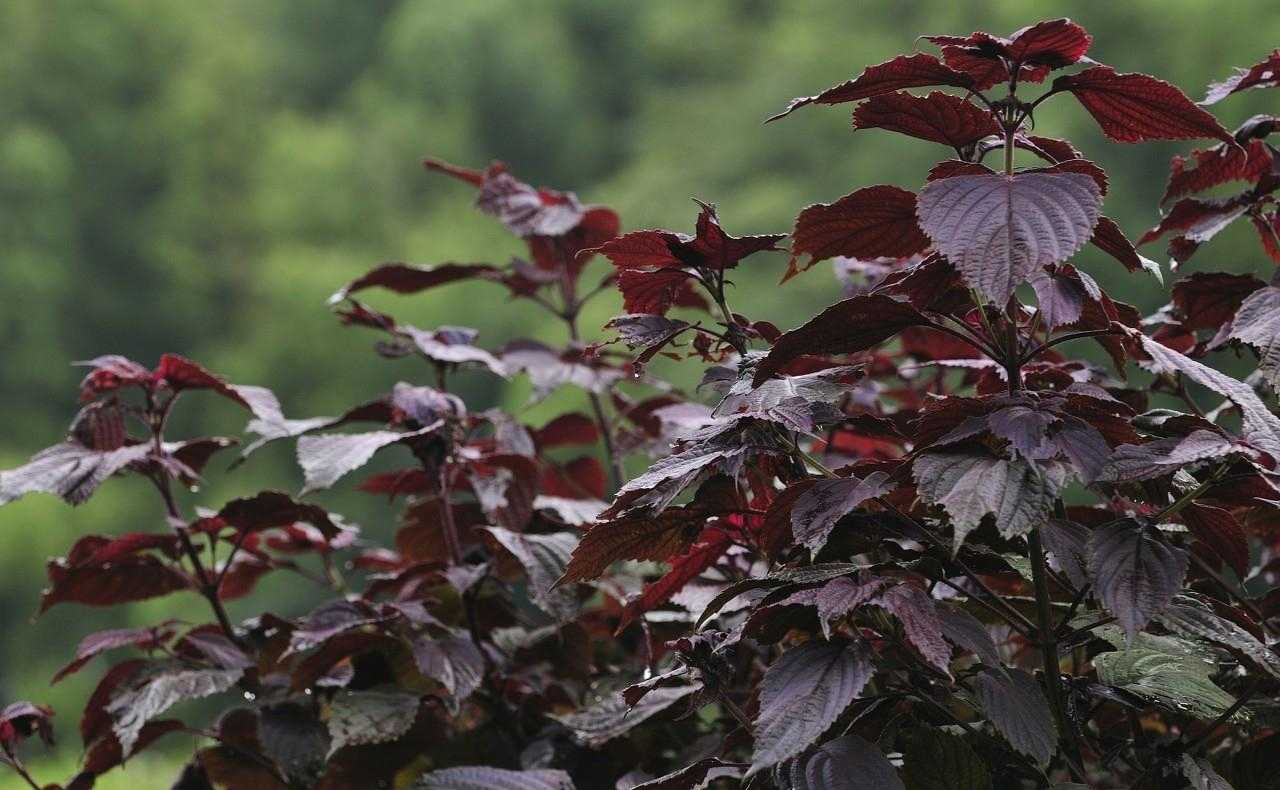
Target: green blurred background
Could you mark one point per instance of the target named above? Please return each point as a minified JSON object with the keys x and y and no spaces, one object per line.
{"x":198,"y":177}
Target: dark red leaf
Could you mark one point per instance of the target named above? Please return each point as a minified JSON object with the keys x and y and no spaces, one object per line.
{"x":1221,"y":533}
{"x":1261,"y":75}
{"x":178,"y":373}
{"x":21,"y":720}
{"x":464,"y":174}
{"x":1048,"y":148}
{"x":1054,"y":43}
{"x":1208,"y":300}
{"x":1193,"y":221}
{"x":570,"y":429}
{"x":581,"y":478}
{"x":1032,"y":52}
{"x":110,"y":373}
{"x":846,"y":327}
{"x":643,"y":249}
{"x":122,"y":547}
{"x":977,"y":56}
{"x":652,"y":263}
{"x":652,"y":292}
{"x":938,"y":117}
{"x":876,"y":222}
{"x":1268,"y":227}
{"x":1108,"y":237}
{"x":1131,"y":108}
{"x":905,"y":71}
{"x":94,"y":645}
{"x":104,"y":753}
{"x":644,"y":537}
{"x":685,"y":568}
{"x":1215,"y":166}
{"x":408,"y":278}
{"x":275,"y":509}
{"x":125,"y":580}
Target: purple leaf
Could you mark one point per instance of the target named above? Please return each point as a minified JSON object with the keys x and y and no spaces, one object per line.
{"x":938,"y":760}
{"x":1257,"y":323}
{"x":326,"y":458}
{"x":1261,"y":428}
{"x":549,"y":369}
{"x":827,"y":501}
{"x":482,"y":777}
{"x":1132,"y":462}
{"x":844,"y":594}
{"x":1260,"y":75}
{"x":452,"y":345}
{"x":94,"y":645}
{"x":611,"y":717}
{"x":802,"y":695}
{"x":453,"y":661}
{"x":999,"y":230}
{"x":1020,"y":496}
{"x":920,"y":624}
{"x":69,"y":470}
{"x":1017,"y":706}
{"x":1135,"y":572}
{"x":544,"y":558}
{"x":358,"y":718}
{"x":837,"y":762}
{"x":158,"y":688}
{"x":694,"y":777}
{"x":1068,"y":545}
{"x":967,"y":632}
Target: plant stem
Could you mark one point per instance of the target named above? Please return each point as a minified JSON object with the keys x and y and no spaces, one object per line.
{"x":208,"y":583}
{"x":616,"y":472}
{"x":1049,"y":651}
{"x":453,"y":544}
{"x":1045,"y":346}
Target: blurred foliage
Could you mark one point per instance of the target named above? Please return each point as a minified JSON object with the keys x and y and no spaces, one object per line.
{"x":198,"y":177}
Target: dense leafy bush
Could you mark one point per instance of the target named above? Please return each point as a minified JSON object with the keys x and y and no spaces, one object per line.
{"x":911,"y":544}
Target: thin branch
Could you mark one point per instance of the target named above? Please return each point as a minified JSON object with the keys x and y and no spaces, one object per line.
{"x":208,"y":584}
{"x":1048,"y":344}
